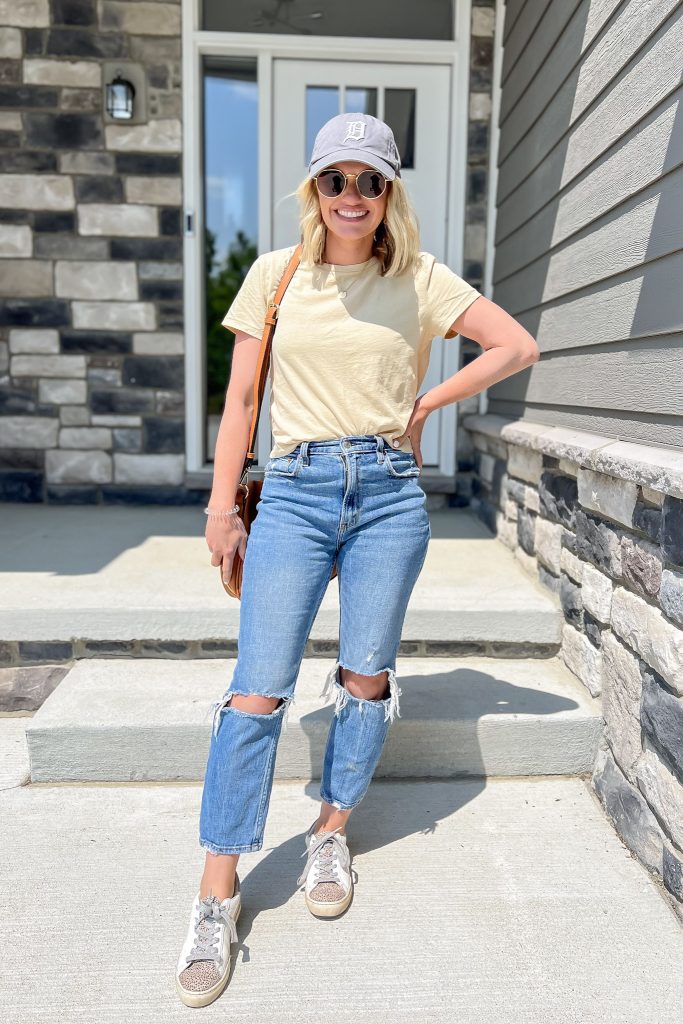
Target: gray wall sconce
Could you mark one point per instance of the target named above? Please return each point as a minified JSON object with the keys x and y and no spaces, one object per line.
{"x":124,"y":98}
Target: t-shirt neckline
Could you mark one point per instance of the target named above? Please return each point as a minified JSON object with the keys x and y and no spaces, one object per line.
{"x":342,"y":267}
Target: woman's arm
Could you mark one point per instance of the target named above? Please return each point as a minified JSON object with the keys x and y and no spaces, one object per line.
{"x":233,"y":432}
{"x":508,"y":347}
{"x":226,"y":536}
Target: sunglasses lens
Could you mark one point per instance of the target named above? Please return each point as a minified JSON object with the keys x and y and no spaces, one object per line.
{"x":330,"y":183}
{"x":371,"y":184}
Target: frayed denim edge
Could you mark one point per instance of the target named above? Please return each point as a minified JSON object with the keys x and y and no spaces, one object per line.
{"x":333,"y":685}
{"x":222,"y":703}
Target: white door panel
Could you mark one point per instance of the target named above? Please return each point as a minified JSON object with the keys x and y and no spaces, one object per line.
{"x":415,"y":100}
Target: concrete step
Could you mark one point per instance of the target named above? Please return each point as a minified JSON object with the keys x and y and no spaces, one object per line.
{"x":137,"y":583}
{"x":116,"y":720}
{"x":509,"y":901}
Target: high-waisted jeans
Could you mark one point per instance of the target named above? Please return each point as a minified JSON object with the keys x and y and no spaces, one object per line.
{"x":357,"y":501}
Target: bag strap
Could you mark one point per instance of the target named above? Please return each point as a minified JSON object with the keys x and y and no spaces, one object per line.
{"x":270,"y":323}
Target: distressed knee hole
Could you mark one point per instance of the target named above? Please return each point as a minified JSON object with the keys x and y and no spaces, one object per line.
{"x":390,"y":700}
{"x":251,"y":705}
{"x":373,"y":689}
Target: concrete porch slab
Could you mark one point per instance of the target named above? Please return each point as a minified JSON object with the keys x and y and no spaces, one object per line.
{"x":508,"y":901}
{"x":119,"y":574}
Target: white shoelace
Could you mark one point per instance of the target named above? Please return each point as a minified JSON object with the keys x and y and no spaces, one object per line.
{"x":324,"y":858}
{"x":211,"y":915}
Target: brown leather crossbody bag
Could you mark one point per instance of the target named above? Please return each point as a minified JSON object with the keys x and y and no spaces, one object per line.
{"x":249,"y":491}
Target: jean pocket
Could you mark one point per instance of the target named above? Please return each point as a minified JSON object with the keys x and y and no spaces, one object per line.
{"x":282,"y":465}
{"x":401,"y":464}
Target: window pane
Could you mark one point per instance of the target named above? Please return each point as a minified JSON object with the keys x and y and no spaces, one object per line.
{"x":360,"y":101}
{"x":322,"y":103}
{"x":382,"y":19}
{"x":399,"y":114}
{"x":230,"y":211}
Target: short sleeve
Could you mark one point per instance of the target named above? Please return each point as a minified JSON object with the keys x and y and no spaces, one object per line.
{"x":248,"y":308}
{"x":446,"y":296}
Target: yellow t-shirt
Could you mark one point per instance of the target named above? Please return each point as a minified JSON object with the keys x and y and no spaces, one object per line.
{"x":347,"y":364}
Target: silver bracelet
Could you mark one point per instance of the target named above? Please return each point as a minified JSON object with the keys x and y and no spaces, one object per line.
{"x":217,"y":513}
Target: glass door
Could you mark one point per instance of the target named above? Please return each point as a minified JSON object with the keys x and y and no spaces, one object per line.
{"x":230,"y":163}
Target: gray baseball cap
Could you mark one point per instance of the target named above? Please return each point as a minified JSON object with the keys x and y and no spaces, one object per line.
{"x":356,"y":137}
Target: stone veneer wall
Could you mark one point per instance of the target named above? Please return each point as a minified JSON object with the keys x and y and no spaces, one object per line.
{"x":91,"y":316}
{"x":600,"y":523}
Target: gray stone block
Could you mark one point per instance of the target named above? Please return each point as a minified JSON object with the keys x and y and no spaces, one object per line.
{"x":558,"y":496}
{"x":27,"y":340}
{"x":96,"y":280}
{"x":73,"y":466}
{"x":525,"y":464}
{"x":621,"y":696}
{"x":671,"y":595}
{"x":28,"y":431}
{"x":526,"y":529}
{"x":632,"y":818}
{"x":662,"y":789}
{"x":662,"y":718}
{"x":584,"y":660}
{"x":516,"y":490}
{"x":570,"y":599}
{"x":641,"y":565}
{"x":47,"y":366}
{"x":149,"y":469}
{"x":26,"y":277}
{"x":592,"y":629}
{"x":672,"y":865}
{"x":596,"y":592}
{"x":611,"y":496}
{"x":599,"y":543}
{"x":548,"y":544}
{"x":643,"y":627}
{"x":648,"y":520}
{"x":25,"y":13}
{"x":60,"y":392}
{"x":672,"y":530}
{"x":25,"y":687}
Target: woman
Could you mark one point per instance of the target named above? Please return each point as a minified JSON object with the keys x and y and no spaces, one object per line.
{"x":341,"y":485}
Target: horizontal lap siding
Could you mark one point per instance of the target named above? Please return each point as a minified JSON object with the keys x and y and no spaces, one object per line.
{"x":590,"y":214}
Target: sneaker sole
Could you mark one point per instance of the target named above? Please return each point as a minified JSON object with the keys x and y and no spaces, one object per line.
{"x":329,"y":909}
{"x":204,"y":998}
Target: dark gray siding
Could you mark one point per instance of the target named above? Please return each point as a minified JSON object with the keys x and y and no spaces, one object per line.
{"x":589,"y":230}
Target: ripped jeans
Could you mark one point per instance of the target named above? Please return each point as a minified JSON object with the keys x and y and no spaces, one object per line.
{"x":355,"y":500}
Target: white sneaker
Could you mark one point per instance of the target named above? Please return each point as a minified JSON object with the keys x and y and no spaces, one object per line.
{"x":204,"y":964}
{"x":327,"y":875}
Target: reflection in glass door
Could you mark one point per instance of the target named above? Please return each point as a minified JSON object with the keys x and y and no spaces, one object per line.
{"x":230,"y":156}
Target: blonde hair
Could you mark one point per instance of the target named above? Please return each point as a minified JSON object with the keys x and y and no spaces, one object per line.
{"x":397,"y":239}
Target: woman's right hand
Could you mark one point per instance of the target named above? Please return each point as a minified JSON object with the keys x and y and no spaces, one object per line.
{"x":224,"y":538}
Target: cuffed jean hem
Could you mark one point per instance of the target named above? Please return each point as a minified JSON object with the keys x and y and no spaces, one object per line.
{"x":337,"y":804}
{"x":212,"y":848}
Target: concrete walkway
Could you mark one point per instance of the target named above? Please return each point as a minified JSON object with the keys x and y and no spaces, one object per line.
{"x":478,"y":902}
{"x":120,"y":573}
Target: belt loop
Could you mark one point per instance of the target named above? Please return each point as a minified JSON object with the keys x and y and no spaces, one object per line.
{"x":380,"y":447}
{"x":305,"y":460}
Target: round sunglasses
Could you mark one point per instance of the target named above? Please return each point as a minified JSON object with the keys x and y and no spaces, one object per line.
{"x":332,"y":183}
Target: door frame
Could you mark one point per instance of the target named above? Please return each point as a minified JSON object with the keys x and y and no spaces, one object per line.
{"x":265,"y":48}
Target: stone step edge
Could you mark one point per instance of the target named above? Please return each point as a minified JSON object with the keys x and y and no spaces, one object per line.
{"x":21,"y":653}
{"x":553,"y":727}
